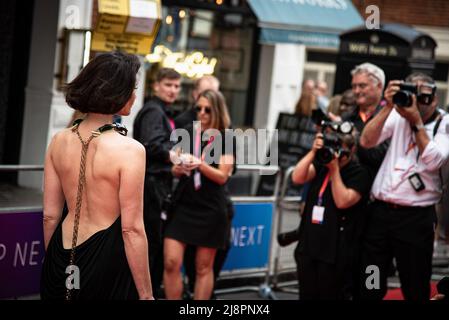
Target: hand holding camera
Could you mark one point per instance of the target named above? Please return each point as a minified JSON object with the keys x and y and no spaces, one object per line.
{"x":403,"y":96}
{"x":318,"y":142}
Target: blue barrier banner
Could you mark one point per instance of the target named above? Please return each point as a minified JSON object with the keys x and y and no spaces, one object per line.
{"x":250,"y":236}
{"x":21,"y":253}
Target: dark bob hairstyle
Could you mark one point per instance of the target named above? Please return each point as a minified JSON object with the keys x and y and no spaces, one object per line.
{"x":104,"y":85}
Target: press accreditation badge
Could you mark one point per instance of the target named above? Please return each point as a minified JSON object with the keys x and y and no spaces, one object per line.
{"x":197,"y":180}
{"x":318,"y":215}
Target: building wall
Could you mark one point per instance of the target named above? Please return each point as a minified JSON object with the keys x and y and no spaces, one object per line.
{"x":80,"y":14}
{"x":38,"y":92}
{"x":418,"y":12}
{"x":7,"y":15}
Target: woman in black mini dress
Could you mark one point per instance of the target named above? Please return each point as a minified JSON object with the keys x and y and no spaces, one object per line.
{"x":199,"y":217}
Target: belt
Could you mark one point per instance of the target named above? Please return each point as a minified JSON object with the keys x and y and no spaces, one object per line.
{"x":395,"y":206}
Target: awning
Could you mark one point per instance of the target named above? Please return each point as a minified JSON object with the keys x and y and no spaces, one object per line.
{"x":310,"y":22}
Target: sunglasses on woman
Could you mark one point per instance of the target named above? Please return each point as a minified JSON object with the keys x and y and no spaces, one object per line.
{"x":206,"y":109}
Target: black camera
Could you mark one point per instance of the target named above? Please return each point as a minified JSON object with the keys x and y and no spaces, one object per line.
{"x":319,"y":116}
{"x":425,"y":94}
{"x":332,"y":144}
{"x":287,"y":238}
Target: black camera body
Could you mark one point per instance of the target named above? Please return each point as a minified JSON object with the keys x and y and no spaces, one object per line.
{"x":424,"y":94}
{"x":332,"y":144}
{"x":319,"y":116}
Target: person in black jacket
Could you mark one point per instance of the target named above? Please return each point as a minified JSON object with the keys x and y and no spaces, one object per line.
{"x":152,"y":127}
{"x":327,"y":233}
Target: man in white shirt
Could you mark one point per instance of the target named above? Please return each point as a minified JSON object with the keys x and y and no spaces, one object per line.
{"x":407,"y":187}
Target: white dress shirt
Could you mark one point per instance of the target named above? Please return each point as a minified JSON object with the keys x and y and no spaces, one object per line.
{"x":403,"y":159}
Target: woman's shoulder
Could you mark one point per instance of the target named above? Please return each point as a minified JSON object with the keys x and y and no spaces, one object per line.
{"x":120,"y":143}
{"x":61,"y":137}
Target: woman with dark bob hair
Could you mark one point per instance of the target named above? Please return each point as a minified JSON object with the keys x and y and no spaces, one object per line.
{"x":99,"y":250}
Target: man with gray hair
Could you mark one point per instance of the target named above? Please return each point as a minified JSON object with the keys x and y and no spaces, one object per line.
{"x":407,"y":187}
{"x":367,"y":84}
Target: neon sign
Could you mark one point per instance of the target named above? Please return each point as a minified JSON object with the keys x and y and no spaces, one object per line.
{"x":192,"y":65}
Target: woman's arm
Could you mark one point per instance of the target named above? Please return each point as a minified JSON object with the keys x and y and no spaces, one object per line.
{"x":344,"y":197}
{"x":132,"y":175}
{"x":304,"y":170}
{"x":224,"y":171}
{"x":53,"y":196}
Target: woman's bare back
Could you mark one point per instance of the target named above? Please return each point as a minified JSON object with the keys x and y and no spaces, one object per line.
{"x":100,"y":200}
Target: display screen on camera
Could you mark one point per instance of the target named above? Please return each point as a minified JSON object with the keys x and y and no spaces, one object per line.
{"x":425,"y":94}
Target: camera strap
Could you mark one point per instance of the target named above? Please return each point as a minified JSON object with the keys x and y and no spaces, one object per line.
{"x":435,"y":130}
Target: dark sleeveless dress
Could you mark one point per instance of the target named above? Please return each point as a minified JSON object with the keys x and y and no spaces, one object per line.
{"x":101,"y":259}
{"x":200,"y":216}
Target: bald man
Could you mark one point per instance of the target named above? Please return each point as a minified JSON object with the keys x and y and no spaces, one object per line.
{"x":202,"y":84}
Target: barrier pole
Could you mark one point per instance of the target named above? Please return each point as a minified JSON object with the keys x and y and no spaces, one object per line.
{"x":21,"y":167}
{"x":283,"y":199}
{"x":264,"y":289}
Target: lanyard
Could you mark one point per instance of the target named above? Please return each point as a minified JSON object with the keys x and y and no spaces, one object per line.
{"x":172,"y":123}
{"x":198,"y":143}
{"x":323,"y":188}
{"x":211,"y":139}
{"x":197,"y":175}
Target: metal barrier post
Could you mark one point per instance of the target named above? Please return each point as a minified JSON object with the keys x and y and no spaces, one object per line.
{"x":21,"y":167}
{"x":265,"y":288}
{"x":283,"y":199}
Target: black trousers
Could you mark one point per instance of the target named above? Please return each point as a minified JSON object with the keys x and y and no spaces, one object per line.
{"x":157,"y":187}
{"x":318,"y":280}
{"x":405,"y":233}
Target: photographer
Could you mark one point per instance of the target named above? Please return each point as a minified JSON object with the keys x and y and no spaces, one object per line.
{"x":407,"y":186}
{"x":338,"y":183}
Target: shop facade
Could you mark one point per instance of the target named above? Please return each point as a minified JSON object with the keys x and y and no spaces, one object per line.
{"x":299,"y":40}
{"x":259,"y":57}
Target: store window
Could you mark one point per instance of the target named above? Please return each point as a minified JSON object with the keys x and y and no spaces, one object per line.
{"x":199,"y":41}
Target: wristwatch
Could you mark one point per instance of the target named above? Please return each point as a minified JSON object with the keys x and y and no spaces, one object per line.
{"x":417,"y":127}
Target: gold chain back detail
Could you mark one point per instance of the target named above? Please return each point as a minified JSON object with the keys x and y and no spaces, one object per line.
{"x":79,"y":197}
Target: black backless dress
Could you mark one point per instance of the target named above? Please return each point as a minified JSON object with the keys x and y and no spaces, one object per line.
{"x":101,"y":259}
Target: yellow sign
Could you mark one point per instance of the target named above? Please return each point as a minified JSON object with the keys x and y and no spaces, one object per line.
{"x":131,"y":43}
{"x":192,"y":65}
{"x":114,"y":7}
{"x":129,"y":25}
{"x":111,"y":24}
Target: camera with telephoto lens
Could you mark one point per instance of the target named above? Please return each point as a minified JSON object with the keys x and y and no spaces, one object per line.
{"x":425,"y":94}
{"x":319,"y":116}
{"x":331,"y":144}
{"x":287,"y":238}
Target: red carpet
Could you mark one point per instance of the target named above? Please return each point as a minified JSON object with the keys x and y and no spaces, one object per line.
{"x":396,"y":294}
